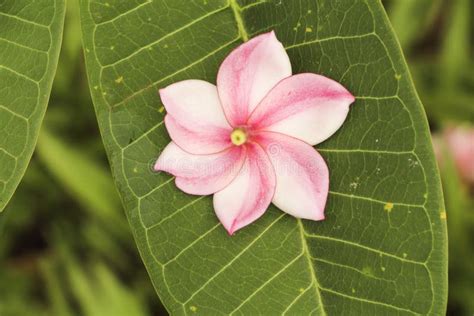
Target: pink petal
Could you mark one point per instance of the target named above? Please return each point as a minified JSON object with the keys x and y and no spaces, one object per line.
{"x":248,"y":73}
{"x":195,"y":119}
{"x":307,"y":106}
{"x":302,"y":176}
{"x":201,"y":174}
{"x":247,"y":197}
{"x":198,"y":139}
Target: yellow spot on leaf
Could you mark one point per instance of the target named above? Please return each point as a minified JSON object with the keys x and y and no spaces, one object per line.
{"x":301,"y":290}
{"x":193,"y":309}
{"x":382,"y":268}
{"x":442,"y":215}
{"x":119,"y":79}
{"x":112,"y":47}
{"x":368,"y":271}
{"x":388,"y":207}
{"x":398,"y":77}
{"x":309,"y":30}
{"x":161,"y":109}
{"x":309,"y":11}
{"x":353,"y":290}
{"x":96,"y":87}
{"x":405,"y":255}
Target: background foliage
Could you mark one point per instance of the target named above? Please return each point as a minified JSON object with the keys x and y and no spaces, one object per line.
{"x":65,"y":246}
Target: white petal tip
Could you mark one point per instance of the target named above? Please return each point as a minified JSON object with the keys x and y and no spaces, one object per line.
{"x":351,"y":98}
{"x":272,"y":37}
{"x":232,"y":228}
{"x":161,"y":91}
{"x":157,"y":166}
{"x":311,"y":217}
{"x":318,"y":216}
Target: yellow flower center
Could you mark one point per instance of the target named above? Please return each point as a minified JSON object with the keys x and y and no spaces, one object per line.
{"x":238,"y":136}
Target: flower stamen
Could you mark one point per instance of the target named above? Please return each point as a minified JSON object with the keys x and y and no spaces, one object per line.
{"x":238,"y":136}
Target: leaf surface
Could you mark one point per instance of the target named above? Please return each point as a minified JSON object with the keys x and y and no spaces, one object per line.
{"x":30,"y":40}
{"x":382,"y":249}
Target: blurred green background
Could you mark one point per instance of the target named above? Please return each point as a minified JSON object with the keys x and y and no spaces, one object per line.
{"x":66,"y":247}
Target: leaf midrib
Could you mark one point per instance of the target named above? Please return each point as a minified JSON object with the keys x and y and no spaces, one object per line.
{"x":314,"y":279}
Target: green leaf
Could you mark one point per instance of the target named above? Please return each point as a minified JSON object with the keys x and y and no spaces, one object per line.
{"x":30,"y":40}
{"x":382,"y":248}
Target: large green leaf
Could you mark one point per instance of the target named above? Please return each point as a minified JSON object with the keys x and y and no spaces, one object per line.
{"x":30,"y":40}
{"x":382,"y":248}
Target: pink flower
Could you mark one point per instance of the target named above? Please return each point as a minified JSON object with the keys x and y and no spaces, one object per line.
{"x":249,"y":140}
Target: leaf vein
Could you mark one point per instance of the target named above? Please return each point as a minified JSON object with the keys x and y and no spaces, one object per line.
{"x":184,"y":27}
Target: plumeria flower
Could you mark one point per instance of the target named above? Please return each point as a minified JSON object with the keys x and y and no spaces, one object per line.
{"x":249,"y":139}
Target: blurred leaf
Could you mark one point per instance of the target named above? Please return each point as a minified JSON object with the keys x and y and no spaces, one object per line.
{"x":384,"y":232}
{"x":460,"y":214}
{"x":410,"y":18}
{"x":85,"y":179}
{"x":30,"y":40}
{"x":105,"y":244}
{"x":56,"y":294}
{"x":103,"y":294}
{"x":457,"y":203}
{"x":70,"y":52}
{"x":72,"y":31}
{"x":455,"y":55}
{"x":18,"y":216}
{"x":443,"y":105}
{"x":17,"y":296}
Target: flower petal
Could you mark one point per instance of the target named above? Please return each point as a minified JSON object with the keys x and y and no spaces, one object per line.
{"x":307,"y":106}
{"x":195,"y":120}
{"x":247,"y":197}
{"x":201,"y":174}
{"x":248,"y":73}
{"x":302,"y":176}
{"x":196,"y":139}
